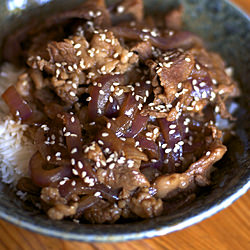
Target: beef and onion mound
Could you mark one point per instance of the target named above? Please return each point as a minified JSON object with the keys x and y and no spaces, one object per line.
{"x":121,"y":109}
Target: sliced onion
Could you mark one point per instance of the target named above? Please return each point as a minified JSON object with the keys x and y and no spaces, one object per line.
{"x":138,"y":124}
{"x":181,"y":39}
{"x":202,"y":91}
{"x":115,"y":144}
{"x":42,"y":177}
{"x":111,"y":109}
{"x":74,"y":136}
{"x":80,"y":187}
{"x":171,"y":139}
{"x":149,"y":146}
{"x":85,"y":203}
{"x":53,"y":109}
{"x":19,"y":108}
{"x":99,"y":99}
{"x":49,"y":150}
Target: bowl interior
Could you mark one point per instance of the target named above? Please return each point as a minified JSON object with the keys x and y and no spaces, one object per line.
{"x":225,"y":30}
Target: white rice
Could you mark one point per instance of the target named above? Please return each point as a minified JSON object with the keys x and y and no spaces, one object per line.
{"x":15,"y":148}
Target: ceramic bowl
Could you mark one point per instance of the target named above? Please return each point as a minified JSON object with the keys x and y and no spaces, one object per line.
{"x":225,"y":30}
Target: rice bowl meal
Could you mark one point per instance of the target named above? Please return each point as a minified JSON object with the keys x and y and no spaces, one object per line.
{"x":111,"y":115}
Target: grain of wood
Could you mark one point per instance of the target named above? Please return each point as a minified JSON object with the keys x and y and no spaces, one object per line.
{"x":243,"y":4}
{"x":229,"y":229}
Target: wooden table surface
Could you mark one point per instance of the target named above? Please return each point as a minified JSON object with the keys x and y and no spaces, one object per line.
{"x":229,"y":229}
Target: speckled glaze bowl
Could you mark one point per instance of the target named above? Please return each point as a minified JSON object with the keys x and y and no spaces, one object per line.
{"x":225,"y":30}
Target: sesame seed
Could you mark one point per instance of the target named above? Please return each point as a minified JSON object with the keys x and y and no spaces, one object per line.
{"x":171,"y":132}
{"x":98,"y":164}
{"x":82,"y":64}
{"x":168,"y":150}
{"x":77,"y":46}
{"x":187,"y":59}
{"x":112,"y":165}
{"x":217,"y":109}
{"x":116,"y":55}
{"x":159,"y":70}
{"x":105,"y":134}
{"x":83,"y":174}
{"x":70,"y":68}
{"x":91,"y":13}
{"x":208,"y":153}
{"x":111,"y":99}
{"x":130,"y":54}
{"x":108,"y":125}
{"x":179,"y":85}
{"x":86,"y":150}
{"x":214,"y":81}
{"x":73,"y":151}
{"x":197,"y":66}
{"x":101,"y":92}
{"x":58,"y":154}
{"x":156,"y":130}
{"x":48,"y":157}
{"x":202,"y":84}
{"x":72,"y":93}
{"x":213,"y":95}
{"x":73,"y":161}
{"x":78,"y":53}
{"x":172,"y":126}
{"x":74,"y":171}
{"x":74,"y":85}
{"x":204,"y":95}
{"x":97,"y":194}
{"x":100,"y":142}
{"x":79,"y":164}
{"x":194,"y":82}
{"x":196,"y":89}
{"x":73,"y":183}
{"x":120,"y":9}
{"x":164,"y":145}
{"x":62,"y":182}
{"x":149,"y":134}
{"x":72,"y":119}
{"x":103,"y":163}
{"x":89,"y":99}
